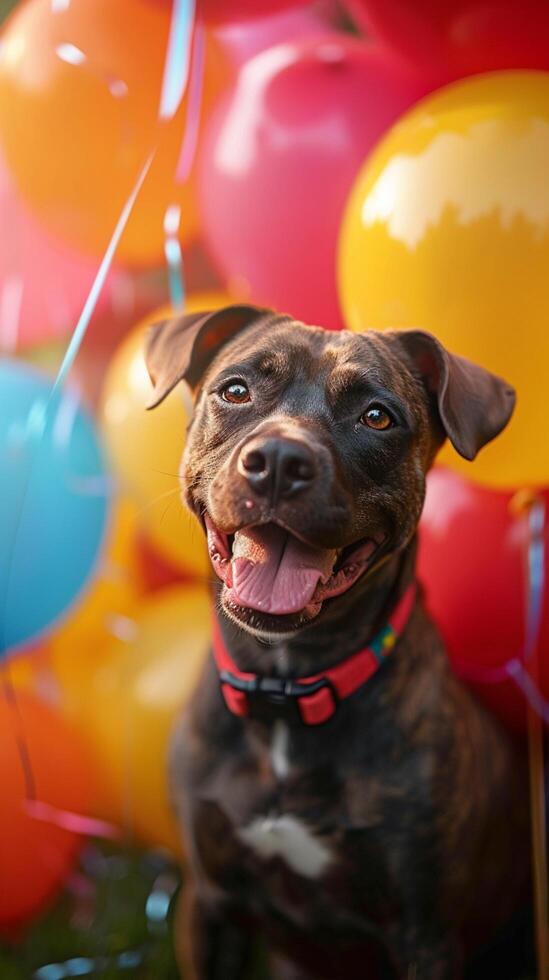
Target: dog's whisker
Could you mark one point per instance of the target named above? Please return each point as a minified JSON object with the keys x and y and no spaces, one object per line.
{"x":161,"y":496}
{"x":176,"y":476}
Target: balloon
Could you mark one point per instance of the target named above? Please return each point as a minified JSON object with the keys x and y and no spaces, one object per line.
{"x":154,"y":571}
{"x":37,"y":855}
{"x":146,"y":447}
{"x":133,"y":296}
{"x":53,"y":507}
{"x":447,"y":229}
{"x":43,"y":285}
{"x":112,"y":593}
{"x":55,"y":670}
{"x":459,"y":37}
{"x":219,"y":11}
{"x":278,"y":158}
{"x":79,"y":92}
{"x":472,"y":563}
{"x":128,"y":707}
{"x":244,"y":39}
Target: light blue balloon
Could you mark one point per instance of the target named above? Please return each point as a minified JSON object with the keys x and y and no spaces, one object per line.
{"x":54,"y":496}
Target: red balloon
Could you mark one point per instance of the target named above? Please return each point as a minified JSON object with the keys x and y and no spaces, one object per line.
{"x":455,"y":38}
{"x":472,"y":564}
{"x":36,"y":855}
{"x":278,"y":159}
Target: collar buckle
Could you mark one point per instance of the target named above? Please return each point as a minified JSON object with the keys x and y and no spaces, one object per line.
{"x":309,"y":702}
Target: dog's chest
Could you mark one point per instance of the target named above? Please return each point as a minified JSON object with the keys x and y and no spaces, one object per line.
{"x":270,"y":827}
{"x":287,"y":836}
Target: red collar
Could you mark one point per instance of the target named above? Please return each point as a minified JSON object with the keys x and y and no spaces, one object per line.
{"x":315,"y":697}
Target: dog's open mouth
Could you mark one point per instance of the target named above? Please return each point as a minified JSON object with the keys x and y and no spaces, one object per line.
{"x":268,"y":569}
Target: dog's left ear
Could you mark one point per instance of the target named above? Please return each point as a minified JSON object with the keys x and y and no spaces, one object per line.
{"x":473,"y":404}
{"x":181,"y":349}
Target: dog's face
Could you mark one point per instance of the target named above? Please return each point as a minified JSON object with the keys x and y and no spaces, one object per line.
{"x":307,"y":452}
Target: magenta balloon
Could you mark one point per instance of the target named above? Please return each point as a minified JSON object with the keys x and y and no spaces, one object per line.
{"x":278,"y":159}
{"x":43,"y":284}
{"x":245,"y":39}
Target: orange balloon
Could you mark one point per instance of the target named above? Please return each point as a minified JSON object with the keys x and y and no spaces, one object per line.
{"x":36,"y":855}
{"x":79,"y":99}
{"x":124,"y":696}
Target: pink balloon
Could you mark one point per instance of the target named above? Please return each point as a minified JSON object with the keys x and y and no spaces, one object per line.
{"x":43,"y":284}
{"x":222,"y":11}
{"x":278,"y":159}
{"x":245,"y":39}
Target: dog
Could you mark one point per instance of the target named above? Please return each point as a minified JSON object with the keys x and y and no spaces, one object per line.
{"x":338,"y":788}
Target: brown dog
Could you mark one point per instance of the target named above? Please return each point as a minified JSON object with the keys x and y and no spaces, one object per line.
{"x":337,"y":786}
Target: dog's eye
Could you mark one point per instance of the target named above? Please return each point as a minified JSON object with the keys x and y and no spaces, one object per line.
{"x":235,"y":392}
{"x":375,"y":417}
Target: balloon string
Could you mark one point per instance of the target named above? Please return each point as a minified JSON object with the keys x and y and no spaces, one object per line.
{"x":174,"y":256}
{"x":77,"y":823}
{"x":514,"y":670}
{"x":194,"y":105}
{"x":99,"y":281}
{"x":535,"y":510}
{"x":21,"y":743}
{"x":535,"y":576}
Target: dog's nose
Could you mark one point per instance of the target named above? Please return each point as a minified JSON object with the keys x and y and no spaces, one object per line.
{"x":277,"y":467}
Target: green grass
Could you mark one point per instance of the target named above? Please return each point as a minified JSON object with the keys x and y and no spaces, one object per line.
{"x":106,"y":916}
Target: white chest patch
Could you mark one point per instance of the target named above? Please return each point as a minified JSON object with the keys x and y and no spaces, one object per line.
{"x":280,"y":750}
{"x":288,"y":838}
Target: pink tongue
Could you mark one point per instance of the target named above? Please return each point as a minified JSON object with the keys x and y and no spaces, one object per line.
{"x":274,"y":572}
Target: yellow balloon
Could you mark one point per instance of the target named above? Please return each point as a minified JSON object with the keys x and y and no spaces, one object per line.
{"x":447,"y":229}
{"x":130,"y":704}
{"x":146,"y":447}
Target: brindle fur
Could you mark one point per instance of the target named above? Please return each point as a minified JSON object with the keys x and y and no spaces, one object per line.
{"x":414,"y":789}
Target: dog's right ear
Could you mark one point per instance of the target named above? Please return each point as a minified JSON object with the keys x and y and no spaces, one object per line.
{"x":181,"y":349}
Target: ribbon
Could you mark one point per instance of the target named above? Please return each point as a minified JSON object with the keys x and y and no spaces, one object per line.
{"x":176,"y":69}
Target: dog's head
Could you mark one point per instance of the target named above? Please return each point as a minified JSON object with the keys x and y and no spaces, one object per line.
{"x":307,"y":451}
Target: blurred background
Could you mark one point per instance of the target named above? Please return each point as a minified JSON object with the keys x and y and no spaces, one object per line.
{"x":363,"y":163}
